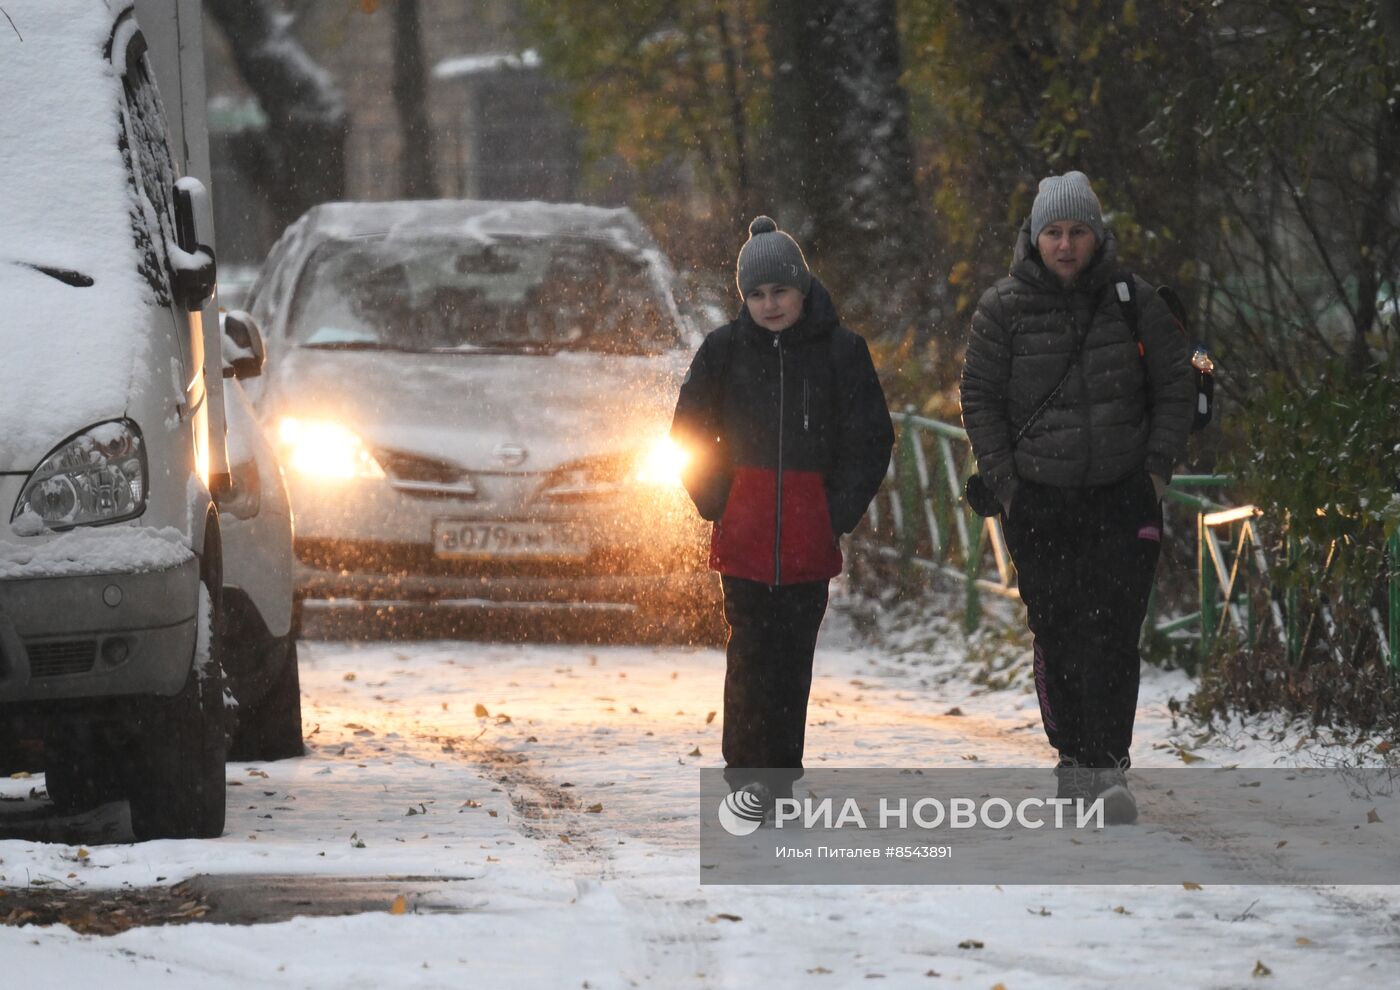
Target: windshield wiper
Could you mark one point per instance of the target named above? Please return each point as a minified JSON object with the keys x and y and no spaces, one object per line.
{"x":359,"y":345}
{"x":65,"y":275}
{"x":499,"y":347}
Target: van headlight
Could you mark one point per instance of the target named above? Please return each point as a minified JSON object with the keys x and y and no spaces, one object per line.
{"x":95,"y":477}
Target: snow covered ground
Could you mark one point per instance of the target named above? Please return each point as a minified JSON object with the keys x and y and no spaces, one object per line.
{"x":549,"y":791}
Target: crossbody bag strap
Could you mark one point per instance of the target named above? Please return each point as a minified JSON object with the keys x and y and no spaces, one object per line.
{"x":1045,"y":403}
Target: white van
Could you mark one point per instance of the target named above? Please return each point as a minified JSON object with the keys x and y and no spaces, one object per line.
{"x":110,"y":547}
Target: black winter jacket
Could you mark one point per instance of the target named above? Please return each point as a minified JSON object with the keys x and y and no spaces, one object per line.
{"x":1120,"y":410}
{"x":790,"y":438}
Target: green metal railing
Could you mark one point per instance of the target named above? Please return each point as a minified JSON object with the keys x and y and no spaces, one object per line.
{"x":921,"y":521}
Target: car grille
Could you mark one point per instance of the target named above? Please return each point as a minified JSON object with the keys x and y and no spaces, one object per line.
{"x":425,"y":477}
{"x":60,"y":659}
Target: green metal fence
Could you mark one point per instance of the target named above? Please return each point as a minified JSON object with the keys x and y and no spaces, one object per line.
{"x":921,"y":521}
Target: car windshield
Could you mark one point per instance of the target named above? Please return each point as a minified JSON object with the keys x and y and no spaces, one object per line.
{"x":529,"y":295}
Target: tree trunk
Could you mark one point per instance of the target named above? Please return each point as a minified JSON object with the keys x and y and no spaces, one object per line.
{"x":841,"y":119}
{"x":299,"y":160}
{"x":411,"y":100}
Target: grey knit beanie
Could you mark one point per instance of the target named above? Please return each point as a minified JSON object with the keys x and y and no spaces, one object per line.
{"x":771,"y":256}
{"x":1066,"y":197}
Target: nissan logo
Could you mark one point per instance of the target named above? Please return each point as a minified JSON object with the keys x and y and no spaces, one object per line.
{"x":510,"y":454}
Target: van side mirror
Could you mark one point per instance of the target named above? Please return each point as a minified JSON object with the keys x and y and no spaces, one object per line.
{"x":243,"y":349}
{"x":193,"y":258}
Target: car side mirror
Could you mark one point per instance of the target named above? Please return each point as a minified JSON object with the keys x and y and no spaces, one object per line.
{"x":243,"y":349}
{"x":191,"y":256}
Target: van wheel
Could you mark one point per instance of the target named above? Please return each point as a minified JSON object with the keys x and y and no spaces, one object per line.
{"x":177,"y":788}
{"x":79,"y":778}
{"x":270,"y":728}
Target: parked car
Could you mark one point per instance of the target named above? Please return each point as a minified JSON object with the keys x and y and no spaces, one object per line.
{"x":259,"y":631}
{"x":110,"y":548}
{"x":472,"y":400}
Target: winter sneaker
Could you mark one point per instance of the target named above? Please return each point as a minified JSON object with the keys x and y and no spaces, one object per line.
{"x":757,"y":799}
{"x":1075,"y":781}
{"x":1119,"y":805}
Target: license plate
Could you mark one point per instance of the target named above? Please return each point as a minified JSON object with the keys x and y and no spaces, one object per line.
{"x":510,"y":540}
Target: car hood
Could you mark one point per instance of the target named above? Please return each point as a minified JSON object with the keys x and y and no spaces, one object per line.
{"x":462,"y":407}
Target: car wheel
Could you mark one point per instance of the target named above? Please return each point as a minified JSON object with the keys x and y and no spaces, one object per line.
{"x":177,"y":789}
{"x":79,"y":778}
{"x":270,"y":728}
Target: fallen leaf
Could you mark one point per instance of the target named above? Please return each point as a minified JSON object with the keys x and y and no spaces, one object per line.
{"x":411,"y":811}
{"x":1189,"y":757}
{"x":723,"y":917}
{"x":1041,"y":913}
{"x":710,"y":717}
{"x":1120,"y":909}
{"x":481,"y":711}
{"x":349,"y":677}
{"x":819,"y":971}
{"x":1384,"y":747}
{"x":1261,"y":970}
{"x":532,"y":739}
{"x":471,"y":804}
{"x":503,"y":720}
{"x":955,"y":711}
{"x":1372,"y":818}
{"x":694,"y":752}
{"x":400,"y":905}
{"x":636,"y":710}
{"x":970,"y":943}
{"x":493,"y":813}
{"x":1302,"y":940}
{"x":1188,"y":885}
{"x":594,"y":809}
{"x":565,"y":839}
{"x":1281,"y":843}
{"x":492,"y":859}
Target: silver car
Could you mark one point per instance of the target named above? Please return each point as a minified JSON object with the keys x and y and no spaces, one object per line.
{"x":471,"y":401}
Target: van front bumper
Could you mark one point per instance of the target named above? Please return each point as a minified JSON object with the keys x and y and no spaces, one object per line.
{"x":95,"y":636}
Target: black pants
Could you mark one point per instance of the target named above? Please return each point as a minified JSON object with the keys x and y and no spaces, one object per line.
{"x":1086,"y":558}
{"x":772,"y":636}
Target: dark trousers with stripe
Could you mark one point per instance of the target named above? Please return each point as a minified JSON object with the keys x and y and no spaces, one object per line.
{"x":1085,"y":559}
{"x":772,"y":638}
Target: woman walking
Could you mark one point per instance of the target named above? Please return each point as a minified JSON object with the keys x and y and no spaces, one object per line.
{"x":790,"y":437}
{"x":1077,"y":397}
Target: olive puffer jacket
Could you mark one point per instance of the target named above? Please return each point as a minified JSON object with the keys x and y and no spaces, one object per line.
{"x":1122,"y":408}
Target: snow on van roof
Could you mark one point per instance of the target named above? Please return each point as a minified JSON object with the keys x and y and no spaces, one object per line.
{"x":67,"y":352}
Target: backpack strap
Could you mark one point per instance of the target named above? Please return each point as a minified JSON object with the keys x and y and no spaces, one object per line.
{"x":1125,"y":288}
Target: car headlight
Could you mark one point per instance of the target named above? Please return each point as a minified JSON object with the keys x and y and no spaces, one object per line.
{"x":662,"y":464}
{"x":95,"y":477}
{"x":324,"y":449}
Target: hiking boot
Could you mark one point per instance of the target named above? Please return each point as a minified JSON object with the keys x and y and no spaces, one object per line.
{"x":1075,"y":781}
{"x":1119,"y":805}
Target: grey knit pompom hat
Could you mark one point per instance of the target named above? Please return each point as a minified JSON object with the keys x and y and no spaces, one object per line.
{"x":771,"y":256}
{"x":1066,"y":197}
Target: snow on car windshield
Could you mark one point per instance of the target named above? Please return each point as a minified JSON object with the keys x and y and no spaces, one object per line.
{"x":509,"y":293}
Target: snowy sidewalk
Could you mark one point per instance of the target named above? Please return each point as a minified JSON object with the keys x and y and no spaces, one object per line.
{"x":552,"y":791}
